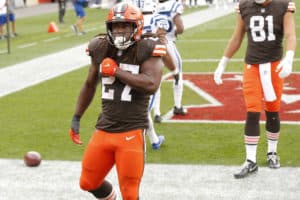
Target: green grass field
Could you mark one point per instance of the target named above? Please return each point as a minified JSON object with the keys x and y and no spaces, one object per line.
{"x":38,"y":118}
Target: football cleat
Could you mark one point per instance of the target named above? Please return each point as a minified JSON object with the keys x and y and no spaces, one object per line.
{"x":156,"y":146}
{"x":249,"y":167}
{"x":158,"y":119}
{"x":273,"y":160}
{"x":179,"y":111}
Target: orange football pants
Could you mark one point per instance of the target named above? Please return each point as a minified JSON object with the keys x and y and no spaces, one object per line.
{"x":126,"y":150}
{"x":253,"y":92}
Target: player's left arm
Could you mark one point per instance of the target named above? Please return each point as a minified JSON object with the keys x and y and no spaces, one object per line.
{"x":285,"y":66}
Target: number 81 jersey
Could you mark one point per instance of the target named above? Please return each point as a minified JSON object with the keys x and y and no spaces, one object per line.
{"x":264,"y":27}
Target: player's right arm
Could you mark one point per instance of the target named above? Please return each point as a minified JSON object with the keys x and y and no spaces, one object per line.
{"x":84,"y":99}
{"x":232,"y":47}
{"x":286,"y":64}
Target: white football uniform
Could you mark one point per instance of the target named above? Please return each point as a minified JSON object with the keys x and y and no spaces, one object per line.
{"x":3,"y":8}
{"x":171,"y":9}
{"x":151,"y":24}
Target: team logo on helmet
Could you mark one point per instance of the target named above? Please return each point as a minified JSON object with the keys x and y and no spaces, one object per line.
{"x":124,"y":13}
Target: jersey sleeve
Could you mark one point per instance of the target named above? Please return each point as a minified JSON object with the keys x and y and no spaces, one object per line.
{"x":97,"y":49}
{"x":150,"y":47}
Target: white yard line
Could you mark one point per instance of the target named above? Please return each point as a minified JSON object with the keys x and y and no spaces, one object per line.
{"x":59,"y":180}
{"x":26,"y":74}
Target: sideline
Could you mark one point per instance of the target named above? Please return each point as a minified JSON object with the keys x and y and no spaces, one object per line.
{"x":17,"y":77}
{"x":59,"y":180}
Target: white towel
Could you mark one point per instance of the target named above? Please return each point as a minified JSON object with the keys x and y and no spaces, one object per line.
{"x":266,"y":81}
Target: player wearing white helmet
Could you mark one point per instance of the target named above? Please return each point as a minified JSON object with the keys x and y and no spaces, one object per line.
{"x":151,"y":28}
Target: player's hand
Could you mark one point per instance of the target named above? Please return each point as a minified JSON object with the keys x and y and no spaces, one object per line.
{"x":74,"y":131}
{"x":108,"y":67}
{"x":220,"y":69}
{"x":285,"y":66}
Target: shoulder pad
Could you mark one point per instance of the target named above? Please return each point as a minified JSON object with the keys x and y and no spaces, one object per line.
{"x":159,"y":50}
{"x":94,"y":44}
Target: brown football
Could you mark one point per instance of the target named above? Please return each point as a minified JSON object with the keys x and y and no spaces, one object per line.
{"x":32,"y":159}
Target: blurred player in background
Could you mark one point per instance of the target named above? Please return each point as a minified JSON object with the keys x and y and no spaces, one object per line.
{"x":265,"y":22}
{"x":173,"y":10}
{"x":7,"y":6}
{"x":61,"y":10}
{"x":130,"y":70}
{"x":3,"y":16}
{"x":81,"y":17}
{"x":156,"y":25}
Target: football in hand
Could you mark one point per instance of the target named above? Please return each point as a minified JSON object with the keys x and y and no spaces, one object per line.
{"x":32,"y":159}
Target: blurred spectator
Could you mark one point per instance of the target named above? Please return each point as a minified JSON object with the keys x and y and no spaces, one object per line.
{"x":209,"y":2}
{"x":7,"y":9}
{"x":195,"y":3}
{"x":81,"y":16}
{"x":96,"y":4}
{"x":61,"y":10}
{"x":25,"y":3}
{"x":12,"y":17}
{"x":3,"y":11}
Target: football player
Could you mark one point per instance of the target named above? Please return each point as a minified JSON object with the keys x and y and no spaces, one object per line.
{"x":265,"y":22}
{"x":130,"y":70}
{"x":148,"y":9}
{"x":173,"y":10}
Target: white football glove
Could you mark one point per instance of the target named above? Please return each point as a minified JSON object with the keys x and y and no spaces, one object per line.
{"x":220,"y":69}
{"x":285,"y":66}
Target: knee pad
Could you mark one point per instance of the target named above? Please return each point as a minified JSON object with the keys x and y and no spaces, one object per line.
{"x":105,"y":191}
{"x":252,"y":124}
{"x":272,"y":122}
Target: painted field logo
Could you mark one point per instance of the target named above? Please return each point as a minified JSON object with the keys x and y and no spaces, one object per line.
{"x":226,"y":103}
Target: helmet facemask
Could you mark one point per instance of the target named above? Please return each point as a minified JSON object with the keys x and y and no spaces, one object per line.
{"x":260,"y":1}
{"x":124,"y":25}
{"x":124,"y":38}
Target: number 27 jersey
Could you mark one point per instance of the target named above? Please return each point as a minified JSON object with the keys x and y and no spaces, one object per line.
{"x":123,"y":107}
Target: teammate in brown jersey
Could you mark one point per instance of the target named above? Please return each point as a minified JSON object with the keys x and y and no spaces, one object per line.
{"x":130,"y":69}
{"x":266,"y":22}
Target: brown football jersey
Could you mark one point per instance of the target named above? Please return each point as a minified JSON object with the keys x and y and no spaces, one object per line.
{"x":264,"y":27}
{"x":123,"y":108}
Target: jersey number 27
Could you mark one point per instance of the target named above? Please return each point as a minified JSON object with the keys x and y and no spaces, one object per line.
{"x":125,"y":95}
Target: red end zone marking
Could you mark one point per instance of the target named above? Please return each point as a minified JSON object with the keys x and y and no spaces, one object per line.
{"x":230,"y":97}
